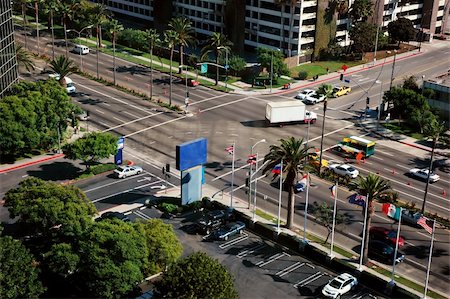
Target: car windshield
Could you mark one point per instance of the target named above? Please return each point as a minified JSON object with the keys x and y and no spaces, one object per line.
{"x":317,"y":96}
{"x":70,"y":85}
{"x":351,"y":169}
{"x":335,"y":284}
{"x":120,"y":169}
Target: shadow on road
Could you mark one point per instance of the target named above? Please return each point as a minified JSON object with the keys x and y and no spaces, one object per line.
{"x":56,"y":171}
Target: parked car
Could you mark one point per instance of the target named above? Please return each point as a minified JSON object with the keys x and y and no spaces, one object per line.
{"x":422,"y":174}
{"x":213,"y":220}
{"x":314,"y":99}
{"x":314,"y":160}
{"x":384,"y":252}
{"x":125,"y":171}
{"x":190,"y":82}
{"x":304,"y":93}
{"x":386,"y":235}
{"x":341,"y":90}
{"x":114,"y":215}
{"x":228,"y":230}
{"x":339,"y":286}
{"x":410,"y":217}
{"x":344,"y":170}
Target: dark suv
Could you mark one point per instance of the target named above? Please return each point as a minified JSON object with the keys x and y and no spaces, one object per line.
{"x":213,"y":220}
{"x":384,"y":252}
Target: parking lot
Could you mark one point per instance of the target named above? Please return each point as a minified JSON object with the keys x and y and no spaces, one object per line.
{"x":261,"y":268}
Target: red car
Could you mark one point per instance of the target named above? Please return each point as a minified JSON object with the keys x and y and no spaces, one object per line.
{"x":386,"y":235}
{"x":190,"y":82}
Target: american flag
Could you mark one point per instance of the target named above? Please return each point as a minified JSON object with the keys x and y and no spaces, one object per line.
{"x":423,"y":223}
{"x":230,"y":149}
{"x":251,"y":159}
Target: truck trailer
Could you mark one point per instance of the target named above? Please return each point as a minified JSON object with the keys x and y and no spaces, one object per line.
{"x":288,"y":112}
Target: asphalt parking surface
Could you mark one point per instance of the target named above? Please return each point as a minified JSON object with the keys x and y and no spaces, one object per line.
{"x":262,"y":269}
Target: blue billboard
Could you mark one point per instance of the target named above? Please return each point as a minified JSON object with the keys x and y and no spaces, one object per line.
{"x":192,"y":153}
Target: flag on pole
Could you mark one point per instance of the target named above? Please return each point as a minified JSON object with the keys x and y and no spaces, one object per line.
{"x":277,"y":169}
{"x":333,"y":190}
{"x":391,"y":210}
{"x":251,"y":159}
{"x":423,"y":223}
{"x":359,"y":200}
{"x":230,"y":149}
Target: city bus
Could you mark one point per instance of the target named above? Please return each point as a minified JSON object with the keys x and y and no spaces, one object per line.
{"x":354,"y":145}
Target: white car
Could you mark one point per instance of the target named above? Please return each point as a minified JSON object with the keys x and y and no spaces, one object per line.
{"x":304,"y":93}
{"x":344,"y":170}
{"x":314,"y":99}
{"x":423,"y":174}
{"x":340,"y":285}
{"x":125,"y":171}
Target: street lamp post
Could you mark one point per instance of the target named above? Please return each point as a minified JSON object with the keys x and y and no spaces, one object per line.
{"x":79,"y":38}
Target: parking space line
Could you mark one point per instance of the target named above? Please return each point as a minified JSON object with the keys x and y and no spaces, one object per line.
{"x":234,"y":241}
{"x":250,"y":250}
{"x":309,"y":279}
{"x":99,"y":111}
{"x":311,"y":266}
{"x":289,"y":269}
{"x":142,"y":215}
{"x":271,"y":259}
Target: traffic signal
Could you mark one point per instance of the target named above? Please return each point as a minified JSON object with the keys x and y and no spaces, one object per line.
{"x":367,"y":100}
{"x":167,"y":168}
{"x":341,"y":77}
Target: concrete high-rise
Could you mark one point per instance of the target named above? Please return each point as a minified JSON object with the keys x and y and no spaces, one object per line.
{"x":8,"y":61}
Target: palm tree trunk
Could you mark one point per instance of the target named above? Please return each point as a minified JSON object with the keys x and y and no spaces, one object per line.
{"x":170,"y":79}
{"x":25,"y":29}
{"x":100,"y":36}
{"x":180,"y":70}
{"x":98,"y":42}
{"x":36,"y":10}
{"x":366,"y":240}
{"x":321,"y":138}
{"x":291,"y":206}
{"x":151,"y":72}
{"x":114,"y":59}
{"x":53,"y":34}
{"x":428,"y":177}
{"x":65,"y":34}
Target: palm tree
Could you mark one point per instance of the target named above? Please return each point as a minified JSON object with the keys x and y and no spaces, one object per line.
{"x":36,"y":12}
{"x":183,"y":27}
{"x":100,"y":15}
{"x":218,"y":43}
{"x":24,"y":58}
{"x":434,"y":130}
{"x":374,"y":188}
{"x":63,"y":66}
{"x":52,"y":6}
{"x":68,"y":9}
{"x":292,"y":152}
{"x":23,"y":5}
{"x":361,"y":10}
{"x":153,"y":40}
{"x":327,"y":91}
{"x":170,"y":39}
{"x":292,"y":4}
{"x":114,"y":29}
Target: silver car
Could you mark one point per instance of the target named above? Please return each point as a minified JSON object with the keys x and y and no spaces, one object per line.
{"x":344,"y":170}
{"x":423,"y":175}
{"x":125,"y":171}
{"x":304,"y":93}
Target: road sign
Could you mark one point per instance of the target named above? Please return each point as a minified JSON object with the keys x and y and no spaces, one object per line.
{"x":121,"y":143}
{"x":204,"y":68}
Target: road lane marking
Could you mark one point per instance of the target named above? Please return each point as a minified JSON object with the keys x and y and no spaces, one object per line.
{"x":106,"y":104}
{"x":385,"y":153}
{"x":99,"y":111}
{"x":402,"y":166}
{"x":130,"y":114}
{"x":115,"y":182}
{"x":120,"y":120}
{"x":104,"y":124}
{"x":122,"y":192}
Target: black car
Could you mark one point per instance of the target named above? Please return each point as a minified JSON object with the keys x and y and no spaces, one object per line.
{"x":114,"y":215}
{"x":213,"y":220}
{"x":226,"y":231}
{"x":384,"y":252}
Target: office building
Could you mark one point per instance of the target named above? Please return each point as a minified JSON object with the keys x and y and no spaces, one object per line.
{"x":8,"y":62}
{"x":440,"y":85}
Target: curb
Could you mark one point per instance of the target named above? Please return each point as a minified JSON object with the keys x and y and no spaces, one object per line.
{"x":15,"y":167}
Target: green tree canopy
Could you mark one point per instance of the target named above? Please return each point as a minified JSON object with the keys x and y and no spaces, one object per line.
{"x":91,"y":147}
{"x":162,"y":243}
{"x":361,"y":10}
{"x":133,"y":38}
{"x":266,"y":57}
{"x":48,"y":208}
{"x":401,"y":30}
{"x":404,"y":101}
{"x":324,"y":215}
{"x":197,"y":276}
{"x":19,"y":275}
{"x":218,"y":44}
{"x":237,"y":64}
{"x":363,"y":36}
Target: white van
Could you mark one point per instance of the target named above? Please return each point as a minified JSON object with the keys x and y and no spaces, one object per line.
{"x":80,"y":49}
{"x":70,"y":86}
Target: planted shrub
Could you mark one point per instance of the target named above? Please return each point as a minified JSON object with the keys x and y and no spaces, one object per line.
{"x":168,"y":207}
{"x":302,"y":75}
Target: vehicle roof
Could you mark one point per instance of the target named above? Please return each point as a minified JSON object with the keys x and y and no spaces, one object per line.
{"x":285,"y":104}
{"x":307,"y":90}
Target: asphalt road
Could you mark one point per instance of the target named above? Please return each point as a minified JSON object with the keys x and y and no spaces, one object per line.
{"x":224,"y":118}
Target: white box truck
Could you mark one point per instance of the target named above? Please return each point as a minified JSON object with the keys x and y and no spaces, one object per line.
{"x":288,"y":111}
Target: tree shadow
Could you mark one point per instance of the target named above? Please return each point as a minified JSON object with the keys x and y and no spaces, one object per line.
{"x":133,"y":70}
{"x":56,"y":171}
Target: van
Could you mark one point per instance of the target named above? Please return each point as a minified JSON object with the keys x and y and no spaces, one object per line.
{"x":80,"y":49}
{"x":70,"y":86}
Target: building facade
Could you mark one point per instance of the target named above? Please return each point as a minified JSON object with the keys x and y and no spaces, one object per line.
{"x":440,"y":84}
{"x":286,"y":25}
{"x":8,"y":62}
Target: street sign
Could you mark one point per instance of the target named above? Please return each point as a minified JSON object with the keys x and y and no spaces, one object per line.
{"x":121,"y":143}
{"x":204,"y":68}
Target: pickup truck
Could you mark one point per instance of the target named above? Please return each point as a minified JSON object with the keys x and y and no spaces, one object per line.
{"x":341,"y":90}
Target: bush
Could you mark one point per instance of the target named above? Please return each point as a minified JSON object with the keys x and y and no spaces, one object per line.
{"x":168,"y":207}
{"x":97,"y":169}
{"x":302,"y":75}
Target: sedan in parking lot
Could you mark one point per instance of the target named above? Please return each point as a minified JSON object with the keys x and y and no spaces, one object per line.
{"x":304,"y":93}
{"x":344,"y":170}
{"x":339,"y":285}
{"x":422,"y":174}
{"x":125,"y":171}
{"x":386,"y":235}
{"x":227,"y":231}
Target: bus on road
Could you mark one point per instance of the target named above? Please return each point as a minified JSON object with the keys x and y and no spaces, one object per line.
{"x":354,"y":145}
